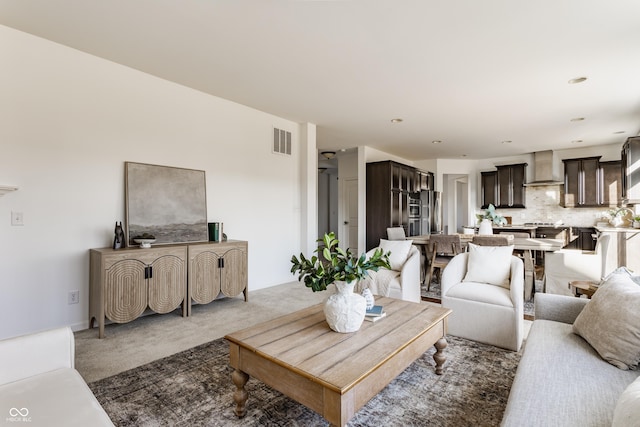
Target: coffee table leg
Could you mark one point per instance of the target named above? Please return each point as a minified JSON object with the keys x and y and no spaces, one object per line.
{"x":240,"y":396}
{"x":439,"y":356}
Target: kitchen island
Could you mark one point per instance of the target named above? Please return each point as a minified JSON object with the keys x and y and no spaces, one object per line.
{"x":624,"y":248}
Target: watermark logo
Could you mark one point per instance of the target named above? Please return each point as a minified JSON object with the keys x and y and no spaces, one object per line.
{"x":18,"y":415}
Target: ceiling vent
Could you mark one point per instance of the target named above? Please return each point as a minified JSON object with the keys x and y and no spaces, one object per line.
{"x":281,"y":141}
{"x":543,"y":169}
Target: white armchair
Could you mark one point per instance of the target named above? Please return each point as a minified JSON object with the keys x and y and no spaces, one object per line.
{"x":38,"y":379}
{"x":566,"y":265}
{"x":401,"y":284}
{"x":483,"y":312}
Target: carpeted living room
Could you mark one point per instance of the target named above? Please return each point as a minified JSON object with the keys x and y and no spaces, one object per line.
{"x":222,"y":213}
{"x":150,"y":380}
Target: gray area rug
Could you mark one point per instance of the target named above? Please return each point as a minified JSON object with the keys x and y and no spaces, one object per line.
{"x":433,"y":295}
{"x":194,"y":388}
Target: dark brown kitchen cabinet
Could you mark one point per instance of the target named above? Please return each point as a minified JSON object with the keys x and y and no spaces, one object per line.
{"x":489,"y":188}
{"x":612,"y":183}
{"x":581,"y":182}
{"x":425,"y":181}
{"x":511,"y":186}
{"x":504,"y":188}
{"x":588,"y":182}
{"x":582,"y":238}
{"x":630,"y":170}
{"x":390,"y":185}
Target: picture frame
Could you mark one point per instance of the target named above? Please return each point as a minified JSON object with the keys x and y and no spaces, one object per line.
{"x":166,"y":202}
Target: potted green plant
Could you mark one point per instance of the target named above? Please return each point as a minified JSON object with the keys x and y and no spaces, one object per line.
{"x":345,"y":310}
{"x":493,"y":216}
{"x":336,"y":264}
{"x":636,"y":221}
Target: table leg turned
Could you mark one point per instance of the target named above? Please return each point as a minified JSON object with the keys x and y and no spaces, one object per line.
{"x":240,"y":396}
{"x":439,"y":356}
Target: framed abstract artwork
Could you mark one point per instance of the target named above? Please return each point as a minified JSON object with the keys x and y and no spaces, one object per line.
{"x":165,"y":202}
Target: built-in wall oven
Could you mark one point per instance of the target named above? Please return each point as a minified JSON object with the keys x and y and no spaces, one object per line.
{"x":415,"y":214}
{"x":414,"y":206}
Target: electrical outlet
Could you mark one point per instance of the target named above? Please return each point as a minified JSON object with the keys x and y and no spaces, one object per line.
{"x":17,"y":218}
{"x":74,"y":297}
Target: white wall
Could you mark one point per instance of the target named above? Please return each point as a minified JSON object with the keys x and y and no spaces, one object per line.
{"x":71,"y":120}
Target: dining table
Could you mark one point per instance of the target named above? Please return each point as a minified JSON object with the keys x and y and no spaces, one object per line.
{"x":525,"y":244}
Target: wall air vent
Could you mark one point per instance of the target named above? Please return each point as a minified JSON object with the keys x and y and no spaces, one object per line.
{"x":281,"y":141}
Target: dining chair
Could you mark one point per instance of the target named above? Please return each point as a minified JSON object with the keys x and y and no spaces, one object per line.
{"x":490,"y":240}
{"x":443,"y":248}
{"x":529,"y":264}
{"x":396,"y":233}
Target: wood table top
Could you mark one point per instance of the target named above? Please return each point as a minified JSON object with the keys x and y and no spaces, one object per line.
{"x":303,"y":342}
{"x":521,"y":243}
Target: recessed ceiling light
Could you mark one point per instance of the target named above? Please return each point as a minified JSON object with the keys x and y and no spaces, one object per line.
{"x":436,"y":141}
{"x":576,"y":141}
{"x":577,"y":119}
{"x":507,"y":142}
{"x":577,"y":80}
{"x":398,"y":120}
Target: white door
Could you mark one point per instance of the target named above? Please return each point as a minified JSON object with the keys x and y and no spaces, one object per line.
{"x":350,"y":215}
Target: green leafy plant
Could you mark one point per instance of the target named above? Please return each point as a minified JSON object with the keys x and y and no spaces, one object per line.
{"x":335,"y":263}
{"x":491,"y":214}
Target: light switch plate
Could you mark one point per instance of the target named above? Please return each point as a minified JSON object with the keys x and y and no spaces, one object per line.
{"x":17,"y":218}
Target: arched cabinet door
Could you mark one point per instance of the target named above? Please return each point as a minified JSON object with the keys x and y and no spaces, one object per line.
{"x":166,"y":283}
{"x":204,"y":274}
{"x":233,"y":272}
{"x":125,"y":290}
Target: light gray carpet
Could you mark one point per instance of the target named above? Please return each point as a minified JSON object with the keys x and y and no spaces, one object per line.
{"x":194,"y":388}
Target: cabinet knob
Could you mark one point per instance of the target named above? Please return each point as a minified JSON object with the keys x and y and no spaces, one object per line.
{"x":346,"y":222}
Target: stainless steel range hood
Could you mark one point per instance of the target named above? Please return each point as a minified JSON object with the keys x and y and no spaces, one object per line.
{"x":543,"y":170}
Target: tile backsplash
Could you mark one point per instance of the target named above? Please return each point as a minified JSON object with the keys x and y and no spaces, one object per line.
{"x":542,"y":205}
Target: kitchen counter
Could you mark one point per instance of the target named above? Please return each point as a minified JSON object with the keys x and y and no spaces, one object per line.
{"x":618,"y":229}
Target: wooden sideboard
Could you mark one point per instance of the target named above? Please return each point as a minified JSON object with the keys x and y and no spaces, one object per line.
{"x":215,"y":268}
{"x":125,"y":282}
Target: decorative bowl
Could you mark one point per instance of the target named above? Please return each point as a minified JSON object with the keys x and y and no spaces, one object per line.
{"x":144,"y":243}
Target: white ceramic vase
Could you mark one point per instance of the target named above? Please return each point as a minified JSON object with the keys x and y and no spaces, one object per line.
{"x":485,"y":227}
{"x":345,"y":310}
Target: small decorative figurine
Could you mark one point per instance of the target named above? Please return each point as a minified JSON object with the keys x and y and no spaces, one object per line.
{"x":118,"y":240}
{"x":368,"y":296}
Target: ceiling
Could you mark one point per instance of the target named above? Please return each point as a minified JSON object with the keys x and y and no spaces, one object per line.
{"x":469,"y":73}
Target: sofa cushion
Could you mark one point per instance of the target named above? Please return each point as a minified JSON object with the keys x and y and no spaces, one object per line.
{"x":627,"y":410}
{"x":55,"y":398}
{"x":611,"y":322}
{"x":562,"y":381}
{"x":489,"y":264}
{"x":399,"y":251}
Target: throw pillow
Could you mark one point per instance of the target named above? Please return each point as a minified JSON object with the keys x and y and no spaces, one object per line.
{"x":489,"y":264}
{"x":610,"y":322}
{"x":399,"y":251}
{"x":627,"y":411}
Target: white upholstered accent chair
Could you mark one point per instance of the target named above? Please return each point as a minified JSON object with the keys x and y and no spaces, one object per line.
{"x":566,"y":265}
{"x":490,"y":313}
{"x":403,"y":280}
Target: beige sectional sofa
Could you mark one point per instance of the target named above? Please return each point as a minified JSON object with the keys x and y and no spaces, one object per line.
{"x":561,"y":379}
{"x":39,"y":385}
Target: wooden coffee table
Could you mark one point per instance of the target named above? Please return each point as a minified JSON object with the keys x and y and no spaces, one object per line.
{"x":331,"y":373}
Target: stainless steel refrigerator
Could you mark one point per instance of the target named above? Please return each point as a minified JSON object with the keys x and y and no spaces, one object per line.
{"x":431,"y":212}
